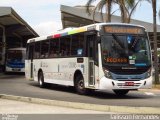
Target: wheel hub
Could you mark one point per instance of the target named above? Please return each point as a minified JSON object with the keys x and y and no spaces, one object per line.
{"x":81,"y":85}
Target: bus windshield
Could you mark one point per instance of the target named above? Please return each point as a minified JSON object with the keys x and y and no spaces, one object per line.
{"x":16,"y":55}
{"x":125,"y":50}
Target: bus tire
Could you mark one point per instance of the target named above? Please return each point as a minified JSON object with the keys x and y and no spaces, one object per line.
{"x":41,"y":80}
{"x":121,"y":92}
{"x":79,"y":85}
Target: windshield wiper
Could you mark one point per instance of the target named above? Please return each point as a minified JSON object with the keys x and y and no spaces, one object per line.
{"x":118,"y":41}
{"x":135,"y":42}
{"x":121,"y":47}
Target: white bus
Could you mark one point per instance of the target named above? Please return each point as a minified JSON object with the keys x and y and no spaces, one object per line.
{"x":99,"y":56}
{"x":15,"y":60}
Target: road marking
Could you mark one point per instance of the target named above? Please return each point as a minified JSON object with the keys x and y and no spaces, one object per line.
{"x":150,"y":94}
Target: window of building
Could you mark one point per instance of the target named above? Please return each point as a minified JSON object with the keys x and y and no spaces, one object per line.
{"x":54,"y":48}
{"x":45,"y":49}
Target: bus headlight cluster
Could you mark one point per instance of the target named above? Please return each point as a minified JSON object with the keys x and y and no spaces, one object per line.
{"x":107,"y":73}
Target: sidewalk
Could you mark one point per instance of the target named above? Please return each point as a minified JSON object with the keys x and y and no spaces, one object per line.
{"x":18,"y":107}
{"x":156,"y":86}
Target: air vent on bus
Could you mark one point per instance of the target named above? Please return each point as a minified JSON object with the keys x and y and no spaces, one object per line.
{"x":123,"y":85}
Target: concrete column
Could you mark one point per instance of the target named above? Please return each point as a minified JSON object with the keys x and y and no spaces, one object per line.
{"x":3,"y":47}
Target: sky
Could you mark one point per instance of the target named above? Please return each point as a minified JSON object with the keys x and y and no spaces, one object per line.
{"x":45,"y":18}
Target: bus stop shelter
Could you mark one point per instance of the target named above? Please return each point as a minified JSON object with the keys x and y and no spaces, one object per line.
{"x":77,"y":16}
{"x":14,"y":32}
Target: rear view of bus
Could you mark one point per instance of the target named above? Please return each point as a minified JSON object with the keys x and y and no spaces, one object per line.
{"x":126,"y":58}
{"x":15,"y":60}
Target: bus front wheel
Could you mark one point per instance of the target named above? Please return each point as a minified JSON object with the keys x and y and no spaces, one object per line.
{"x":79,"y":85}
{"x":41,"y":80}
{"x":121,"y":92}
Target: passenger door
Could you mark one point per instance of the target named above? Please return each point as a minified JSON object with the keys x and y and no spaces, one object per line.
{"x":91,"y":43}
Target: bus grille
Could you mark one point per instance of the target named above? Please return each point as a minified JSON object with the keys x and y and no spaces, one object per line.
{"x":123,"y":85}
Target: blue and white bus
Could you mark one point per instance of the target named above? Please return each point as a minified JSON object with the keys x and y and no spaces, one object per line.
{"x":99,"y":56}
{"x":15,"y":60}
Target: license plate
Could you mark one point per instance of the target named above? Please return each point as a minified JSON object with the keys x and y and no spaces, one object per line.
{"x":16,"y":70}
{"x":129,"y":83}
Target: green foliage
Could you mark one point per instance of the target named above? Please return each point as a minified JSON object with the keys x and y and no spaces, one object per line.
{"x":126,"y":7}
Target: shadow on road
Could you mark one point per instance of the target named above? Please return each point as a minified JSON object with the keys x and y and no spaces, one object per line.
{"x":11,"y":75}
{"x":94,"y":94}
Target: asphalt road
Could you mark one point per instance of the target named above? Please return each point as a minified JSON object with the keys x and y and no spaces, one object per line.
{"x":19,"y":86}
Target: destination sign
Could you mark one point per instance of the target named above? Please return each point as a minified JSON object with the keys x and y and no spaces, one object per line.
{"x":124,"y":29}
{"x":116,"y":60}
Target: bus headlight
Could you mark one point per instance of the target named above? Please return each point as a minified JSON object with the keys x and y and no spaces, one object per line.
{"x":107,"y":73}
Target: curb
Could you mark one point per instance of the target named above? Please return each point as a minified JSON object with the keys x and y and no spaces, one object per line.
{"x":103,"y":108}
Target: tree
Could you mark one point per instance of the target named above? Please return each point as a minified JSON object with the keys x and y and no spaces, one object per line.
{"x":123,"y":10}
{"x":154,"y":4}
{"x":126,"y":7}
{"x":100,"y":6}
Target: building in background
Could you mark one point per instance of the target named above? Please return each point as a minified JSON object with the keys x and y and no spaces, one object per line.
{"x":14,"y":32}
{"x":77,"y":16}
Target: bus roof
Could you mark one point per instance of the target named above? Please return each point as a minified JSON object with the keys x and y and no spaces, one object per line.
{"x":71,"y":31}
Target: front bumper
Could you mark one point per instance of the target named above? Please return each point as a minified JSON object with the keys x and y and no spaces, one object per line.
{"x":108,"y":84}
{"x":8,"y":69}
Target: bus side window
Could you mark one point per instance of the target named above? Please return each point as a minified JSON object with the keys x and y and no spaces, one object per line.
{"x":54,"y":48}
{"x":30,"y":51}
{"x":44,"y":49}
{"x":65,"y":46}
{"x":77,"y":45}
{"x":37,"y":50}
